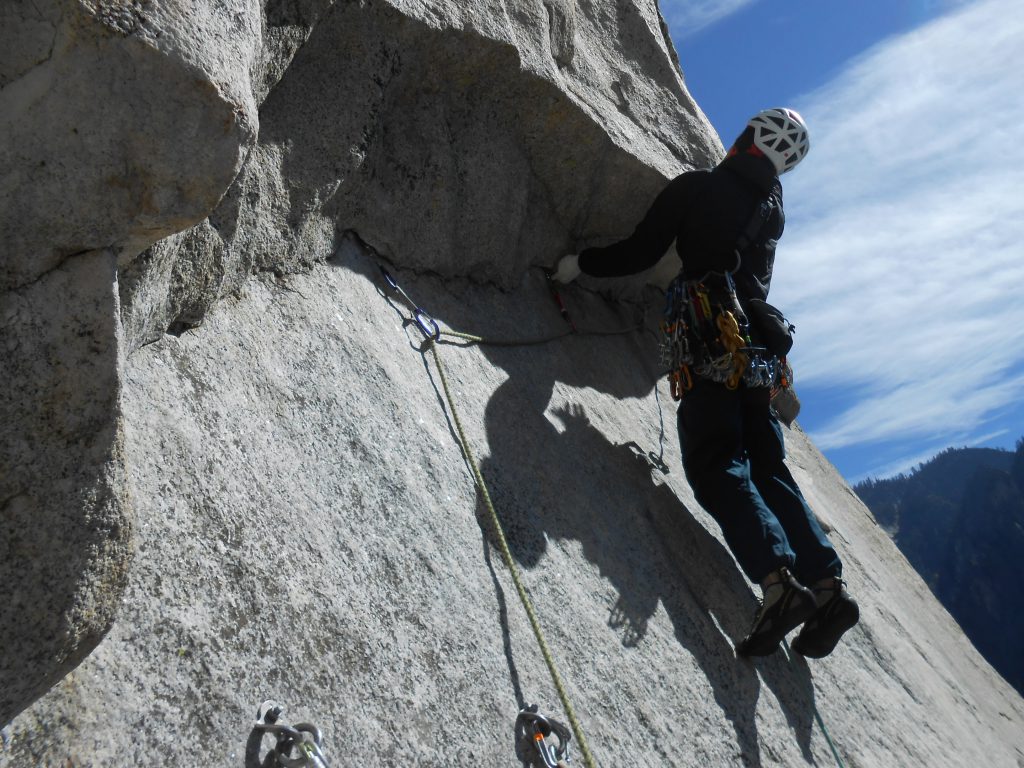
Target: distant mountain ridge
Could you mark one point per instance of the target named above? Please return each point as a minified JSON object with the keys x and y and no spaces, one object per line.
{"x":959,"y":519}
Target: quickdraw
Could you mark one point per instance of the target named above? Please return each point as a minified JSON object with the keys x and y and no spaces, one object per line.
{"x":302,"y":738}
{"x":532,"y":732}
{"x":428,"y":326}
{"x":680,"y":381}
{"x":650,"y":458}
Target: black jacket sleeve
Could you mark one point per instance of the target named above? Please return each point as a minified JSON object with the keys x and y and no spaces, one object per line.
{"x":651,"y":238}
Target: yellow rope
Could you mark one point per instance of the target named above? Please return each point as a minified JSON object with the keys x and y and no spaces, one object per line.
{"x":506,"y":555}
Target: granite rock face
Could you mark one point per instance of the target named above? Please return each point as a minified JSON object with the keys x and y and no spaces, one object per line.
{"x":120,"y":124}
{"x":304,"y":525}
{"x":465,"y":140}
{"x":309,"y":532}
{"x":65,"y":548}
{"x":461,"y":139}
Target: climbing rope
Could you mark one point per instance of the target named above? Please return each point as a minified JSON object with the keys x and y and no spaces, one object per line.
{"x":432,"y":330}
{"x":506,"y":555}
{"x":432,"y":334}
{"x":828,"y":738}
{"x":817,"y":716}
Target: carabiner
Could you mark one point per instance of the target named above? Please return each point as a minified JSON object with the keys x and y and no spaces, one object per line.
{"x":303,"y":737}
{"x":427,"y":325}
{"x":392,"y":283}
{"x":680,"y":382}
{"x":308,"y":746}
{"x":537,"y":728}
{"x":705,"y":303}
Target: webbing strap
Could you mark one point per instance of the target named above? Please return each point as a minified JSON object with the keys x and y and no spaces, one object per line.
{"x":758,"y":219}
{"x":510,"y":563}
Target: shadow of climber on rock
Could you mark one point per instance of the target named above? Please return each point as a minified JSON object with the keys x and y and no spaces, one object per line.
{"x":644,"y":541}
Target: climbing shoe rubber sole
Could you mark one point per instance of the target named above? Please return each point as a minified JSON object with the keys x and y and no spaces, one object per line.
{"x":822,"y":632}
{"x":791,"y":610}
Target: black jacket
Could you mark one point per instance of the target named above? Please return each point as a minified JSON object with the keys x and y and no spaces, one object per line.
{"x":704,"y":212}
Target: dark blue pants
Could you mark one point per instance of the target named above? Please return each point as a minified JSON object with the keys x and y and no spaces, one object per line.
{"x":733,"y":456}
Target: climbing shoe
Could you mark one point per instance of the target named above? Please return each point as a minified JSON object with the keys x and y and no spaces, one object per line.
{"x":786,"y":604}
{"x":836,"y":613}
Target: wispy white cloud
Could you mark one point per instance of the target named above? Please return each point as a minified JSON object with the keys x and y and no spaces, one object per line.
{"x":903,"y":266}
{"x":687,"y":17}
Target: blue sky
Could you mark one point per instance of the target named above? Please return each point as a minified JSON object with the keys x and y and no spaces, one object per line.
{"x":902,"y":265}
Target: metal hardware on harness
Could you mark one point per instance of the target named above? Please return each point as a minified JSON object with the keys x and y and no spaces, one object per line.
{"x":706,"y":333}
{"x":733,"y":342}
{"x":680,"y":381}
{"x":428,"y":326}
{"x":303,"y":738}
{"x":533,"y":726}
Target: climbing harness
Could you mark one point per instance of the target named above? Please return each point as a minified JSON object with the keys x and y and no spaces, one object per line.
{"x":432,"y":342}
{"x":302,"y":738}
{"x":532,"y":732}
{"x":705,"y":331}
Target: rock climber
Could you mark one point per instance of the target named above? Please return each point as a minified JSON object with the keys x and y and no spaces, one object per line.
{"x":724,"y":223}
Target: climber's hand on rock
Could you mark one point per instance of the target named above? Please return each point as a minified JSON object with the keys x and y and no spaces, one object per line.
{"x":568,"y":269}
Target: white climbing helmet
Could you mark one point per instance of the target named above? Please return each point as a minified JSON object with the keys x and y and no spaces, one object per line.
{"x":781,"y":134}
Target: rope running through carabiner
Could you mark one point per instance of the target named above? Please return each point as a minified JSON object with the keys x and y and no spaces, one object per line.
{"x":506,"y":555}
{"x":432,"y":334}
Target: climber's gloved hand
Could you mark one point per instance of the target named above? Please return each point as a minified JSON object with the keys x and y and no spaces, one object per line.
{"x":568,"y":269}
